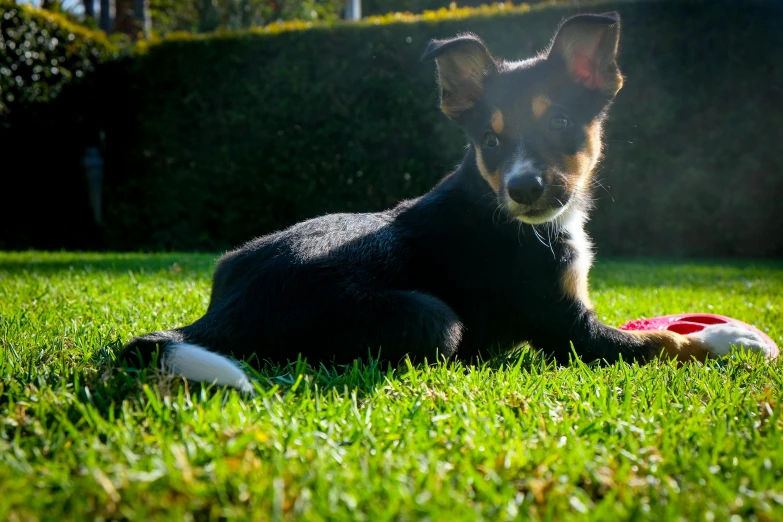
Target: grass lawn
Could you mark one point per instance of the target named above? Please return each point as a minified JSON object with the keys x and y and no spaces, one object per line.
{"x":514,"y":438}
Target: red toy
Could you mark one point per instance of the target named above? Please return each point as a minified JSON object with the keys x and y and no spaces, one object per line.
{"x":691,"y":323}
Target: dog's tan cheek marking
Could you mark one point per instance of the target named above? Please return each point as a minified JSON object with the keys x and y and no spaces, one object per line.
{"x":540,"y":105}
{"x":673,"y":345}
{"x":580,"y":165}
{"x":497,"y":121}
{"x":493,"y":178}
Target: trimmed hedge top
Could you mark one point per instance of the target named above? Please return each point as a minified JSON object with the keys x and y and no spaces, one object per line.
{"x":41,"y":52}
{"x":453,"y":12}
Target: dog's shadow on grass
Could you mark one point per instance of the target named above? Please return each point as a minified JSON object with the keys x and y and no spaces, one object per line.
{"x":115,"y":383}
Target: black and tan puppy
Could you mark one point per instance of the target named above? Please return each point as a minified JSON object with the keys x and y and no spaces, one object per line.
{"x":493,"y":256}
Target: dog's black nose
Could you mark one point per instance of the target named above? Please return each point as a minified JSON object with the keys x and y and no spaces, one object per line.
{"x":525,"y":189}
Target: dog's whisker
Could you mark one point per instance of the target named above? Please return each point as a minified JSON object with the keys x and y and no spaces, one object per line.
{"x":597,"y":183}
{"x":549,"y":240}
{"x":538,"y":235}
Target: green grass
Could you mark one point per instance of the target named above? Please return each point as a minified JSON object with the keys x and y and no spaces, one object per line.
{"x":514,"y":438}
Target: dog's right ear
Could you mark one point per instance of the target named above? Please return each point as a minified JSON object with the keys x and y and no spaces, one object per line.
{"x":463,"y":65}
{"x":587,"y":46}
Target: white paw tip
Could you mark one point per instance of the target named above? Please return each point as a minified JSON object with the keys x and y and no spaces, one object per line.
{"x":721,"y":338}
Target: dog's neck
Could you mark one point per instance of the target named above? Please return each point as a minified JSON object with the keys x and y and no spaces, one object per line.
{"x":564,"y":238}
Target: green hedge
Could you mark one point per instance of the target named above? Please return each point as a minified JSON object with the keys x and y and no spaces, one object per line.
{"x":214,"y":140}
{"x":47,"y":115}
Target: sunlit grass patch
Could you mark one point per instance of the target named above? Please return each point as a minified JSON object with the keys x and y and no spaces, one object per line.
{"x":513,"y":438}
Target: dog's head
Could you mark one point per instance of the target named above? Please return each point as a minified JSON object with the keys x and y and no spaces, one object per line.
{"x":535,"y":125}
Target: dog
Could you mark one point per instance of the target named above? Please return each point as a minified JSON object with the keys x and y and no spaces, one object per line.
{"x":493,"y":256}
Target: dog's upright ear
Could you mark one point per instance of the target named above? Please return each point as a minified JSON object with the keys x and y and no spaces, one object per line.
{"x":464,"y":63}
{"x":587,"y":45}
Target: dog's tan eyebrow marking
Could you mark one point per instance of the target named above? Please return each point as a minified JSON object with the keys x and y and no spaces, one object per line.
{"x":540,"y":104}
{"x":497,"y":121}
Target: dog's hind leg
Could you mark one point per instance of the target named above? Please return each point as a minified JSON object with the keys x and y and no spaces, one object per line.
{"x":337,"y":327}
{"x":183,"y":352}
{"x":400,"y":323}
{"x":333,"y":328}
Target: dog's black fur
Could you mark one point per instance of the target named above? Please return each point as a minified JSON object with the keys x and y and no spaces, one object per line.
{"x":460,"y":270}
{"x":436,"y":275}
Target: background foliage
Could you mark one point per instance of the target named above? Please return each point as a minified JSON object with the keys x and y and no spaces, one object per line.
{"x":48,"y":112}
{"x":380,"y":7}
{"x":212,"y":140}
{"x":41,"y":53}
{"x":208,"y":15}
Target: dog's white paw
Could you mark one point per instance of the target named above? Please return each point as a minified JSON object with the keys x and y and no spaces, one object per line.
{"x":720,"y":338}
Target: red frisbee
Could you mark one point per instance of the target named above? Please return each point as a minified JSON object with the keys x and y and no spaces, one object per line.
{"x":691,"y":323}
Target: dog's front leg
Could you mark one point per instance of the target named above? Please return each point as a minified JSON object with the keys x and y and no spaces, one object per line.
{"x":594,"y":340}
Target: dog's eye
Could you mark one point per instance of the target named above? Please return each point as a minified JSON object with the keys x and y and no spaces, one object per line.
{"x":558,"y":122}
{"x":491,"y":140}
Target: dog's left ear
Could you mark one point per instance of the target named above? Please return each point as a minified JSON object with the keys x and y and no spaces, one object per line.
{"x":463,"y":65}
{"x":587,"y":44}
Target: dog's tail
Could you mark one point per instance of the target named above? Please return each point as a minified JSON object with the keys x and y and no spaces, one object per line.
{"x":186,"y":359}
